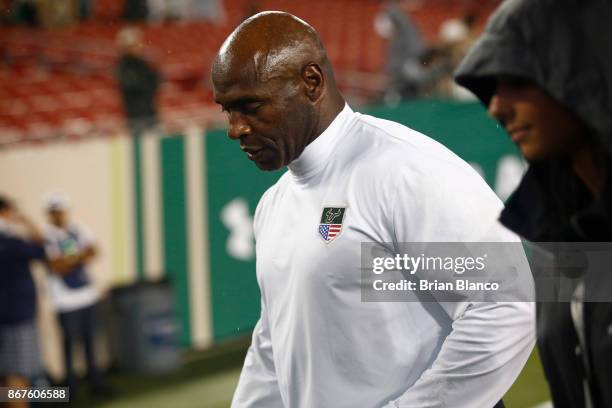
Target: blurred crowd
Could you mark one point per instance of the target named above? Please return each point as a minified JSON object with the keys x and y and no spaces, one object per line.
{"x":416,"y":64}
{"x":50,"y":13}
{"x":66,"y":249}
{"x":416,"y":69}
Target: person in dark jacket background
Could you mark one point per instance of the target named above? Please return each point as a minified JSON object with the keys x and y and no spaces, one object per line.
{"x":544,"y":70}
{"x":406,"y":49}
{"x":19,"y":353}
{"x":138,"y":81}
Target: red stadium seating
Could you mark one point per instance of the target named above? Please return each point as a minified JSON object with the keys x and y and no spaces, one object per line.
{"x":51,"y":78}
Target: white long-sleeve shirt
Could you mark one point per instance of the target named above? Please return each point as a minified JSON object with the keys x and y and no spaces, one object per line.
{"x":317,"y":345}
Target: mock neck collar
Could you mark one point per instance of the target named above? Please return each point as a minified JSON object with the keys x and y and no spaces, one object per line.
{"x":315,"y":155}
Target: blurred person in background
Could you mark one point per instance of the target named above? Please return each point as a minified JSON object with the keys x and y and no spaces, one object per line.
{"x":136,"y":10}
{"x":455,"y":37}
{"x":6,"y":11}
{"x":138,"y":82}
{"x":544,"y":70}
{"x":454,"y":34}
{"x":27,"y":12}
{"x":211,"y":11}
{"x":406,"y":48}
{"x":20,"y":243}
{"x":85,"y":8}
{"x":71,"y":249}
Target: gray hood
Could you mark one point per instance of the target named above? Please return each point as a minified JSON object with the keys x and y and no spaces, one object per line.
{"x":564,"y":46}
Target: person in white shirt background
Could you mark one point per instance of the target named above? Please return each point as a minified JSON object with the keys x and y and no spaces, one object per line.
{"x":72,"y":292}
{"x":351,"y":179}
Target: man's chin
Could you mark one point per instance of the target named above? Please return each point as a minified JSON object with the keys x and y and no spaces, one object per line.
{"x":267,"y":165}
{"x":533,"y":153}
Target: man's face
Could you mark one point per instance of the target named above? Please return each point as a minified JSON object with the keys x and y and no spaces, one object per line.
{"x":271,"y":119}
{"x":540,"y":126}
{"x":57,"y":217}
{"x":8,"y":213}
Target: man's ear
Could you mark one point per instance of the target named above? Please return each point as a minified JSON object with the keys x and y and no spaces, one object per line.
{"x":314,"y":81}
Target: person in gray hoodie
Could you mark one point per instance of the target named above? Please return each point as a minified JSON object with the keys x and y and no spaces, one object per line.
{"x":543,"y":68}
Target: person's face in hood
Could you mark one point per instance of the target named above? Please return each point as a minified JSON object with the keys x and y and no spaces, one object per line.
{"x":541,"y":127}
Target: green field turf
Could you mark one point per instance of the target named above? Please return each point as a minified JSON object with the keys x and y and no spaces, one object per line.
{"x":530,"y":388}
{"x":207,"y":380}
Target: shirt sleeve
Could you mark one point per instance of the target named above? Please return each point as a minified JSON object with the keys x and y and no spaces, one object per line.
{"x":17,"y":248}
{"x":85,"y":237}
{"x":51,"y":246}
{"x":479,"y":360}
{"x":258,"y":385}
{"x":489,"y":342}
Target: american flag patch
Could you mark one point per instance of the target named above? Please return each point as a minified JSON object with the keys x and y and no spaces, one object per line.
{"x":331,"y":222}
{"x":329,"y":231}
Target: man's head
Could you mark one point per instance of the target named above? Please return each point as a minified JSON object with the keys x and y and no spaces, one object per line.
{"x":130,"y":41}
{"x":540,"y":126}
{"x":273,"y":78}
{"x":6,"y":207}
{"x":57,"y":207}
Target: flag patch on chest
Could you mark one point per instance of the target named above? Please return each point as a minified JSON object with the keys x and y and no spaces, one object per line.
{"x":331,"y":222}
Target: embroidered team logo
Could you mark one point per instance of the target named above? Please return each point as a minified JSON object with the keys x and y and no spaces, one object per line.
{"x":331,"y":223}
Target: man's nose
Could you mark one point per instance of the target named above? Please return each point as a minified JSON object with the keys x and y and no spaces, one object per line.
{"x":500,"y":108}
{"x":238,"y":127}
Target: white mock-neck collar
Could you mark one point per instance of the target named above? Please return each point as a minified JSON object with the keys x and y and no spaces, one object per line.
{"x":315,"y":155}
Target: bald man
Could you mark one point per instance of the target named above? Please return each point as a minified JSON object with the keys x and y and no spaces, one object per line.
{"x":351,"y":179}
